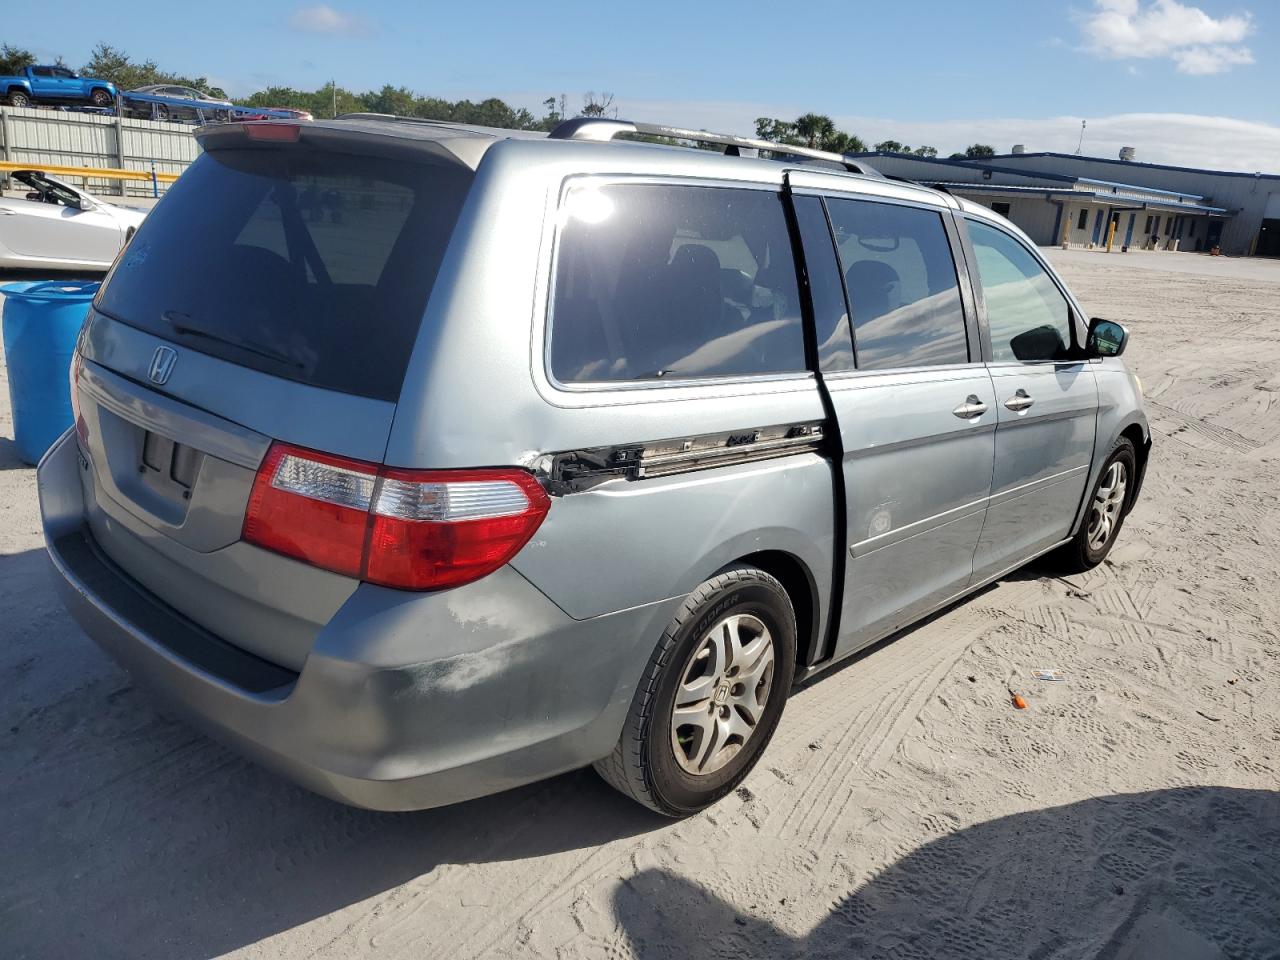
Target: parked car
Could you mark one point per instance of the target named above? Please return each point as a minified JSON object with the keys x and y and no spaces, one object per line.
{"x":552,"y":451}
{"x":62,"y":227}
{"x":166,"y":101}
{"x":53,"y":84}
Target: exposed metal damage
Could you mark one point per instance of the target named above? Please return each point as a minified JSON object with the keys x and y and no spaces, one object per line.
{"x":574,"y":471}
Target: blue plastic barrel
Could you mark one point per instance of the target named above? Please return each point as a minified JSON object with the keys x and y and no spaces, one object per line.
{"x":41,"y":321}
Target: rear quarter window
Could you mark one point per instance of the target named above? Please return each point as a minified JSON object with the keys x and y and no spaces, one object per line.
{"x":670,"y":281}
{"x":311,"y":266}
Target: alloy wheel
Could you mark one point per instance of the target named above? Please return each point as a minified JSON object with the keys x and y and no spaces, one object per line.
{"x":1108,"y":501}
{"x":722,"y":694}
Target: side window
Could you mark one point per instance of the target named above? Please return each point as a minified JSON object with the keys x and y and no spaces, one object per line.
{"x":42,"y":71}
{"x":830,"y":315}
{"x":902,"y":285}
{"x":657,"y":281}
{"x":1028,"y":316}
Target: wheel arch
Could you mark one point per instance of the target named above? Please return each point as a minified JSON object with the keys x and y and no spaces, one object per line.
{"x":1141,"y":440}
{"x":1134,"y":428}
{"x":802,"y":589}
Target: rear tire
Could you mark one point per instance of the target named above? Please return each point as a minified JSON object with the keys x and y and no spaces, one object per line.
{"x":1108,"y":504}
{"x":19,"y":99}
{"x":711,"y":695}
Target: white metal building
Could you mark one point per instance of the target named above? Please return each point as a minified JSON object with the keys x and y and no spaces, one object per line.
{"x":1057,"y":196}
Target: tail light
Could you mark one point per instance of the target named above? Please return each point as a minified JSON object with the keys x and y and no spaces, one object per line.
{"x":409,"y":529}
{"x":82,"y":428}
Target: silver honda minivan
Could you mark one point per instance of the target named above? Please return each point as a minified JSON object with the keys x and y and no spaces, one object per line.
{"x":420,"y":461}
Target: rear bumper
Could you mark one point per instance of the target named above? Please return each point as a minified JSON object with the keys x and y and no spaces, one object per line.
{"x":406,"y":700}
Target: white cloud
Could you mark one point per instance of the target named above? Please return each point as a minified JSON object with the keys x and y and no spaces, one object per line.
{"x":322,"y":18}
{"x":1196,"y":42}
{"x":1199,"y":61}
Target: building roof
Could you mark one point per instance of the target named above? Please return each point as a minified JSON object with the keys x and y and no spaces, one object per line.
{"x":1112,"y":199}
{"x":1053,"y":182}
{"x":1137,"y":163}
{"x":969,"y":164}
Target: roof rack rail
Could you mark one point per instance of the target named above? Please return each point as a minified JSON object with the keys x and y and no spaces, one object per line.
{"x":916,"y":183}
{"x":603,"y":129}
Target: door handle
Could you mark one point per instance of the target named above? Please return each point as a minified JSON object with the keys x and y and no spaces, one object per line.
{"x":972,"y":407}
{"x":1019,"y":401}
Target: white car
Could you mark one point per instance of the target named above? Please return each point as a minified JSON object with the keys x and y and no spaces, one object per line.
{"x":62,"y":227}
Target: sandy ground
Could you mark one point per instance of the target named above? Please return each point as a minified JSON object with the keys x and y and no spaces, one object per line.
{"x":904,"y":809}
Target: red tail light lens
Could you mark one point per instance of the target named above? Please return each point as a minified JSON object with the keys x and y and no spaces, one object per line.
{"x":311,"y":506}
{"x":410,"y":529}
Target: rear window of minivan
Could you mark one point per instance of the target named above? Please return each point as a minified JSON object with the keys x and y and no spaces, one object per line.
{"x":311,"y":266}
{"x":673,"y":281}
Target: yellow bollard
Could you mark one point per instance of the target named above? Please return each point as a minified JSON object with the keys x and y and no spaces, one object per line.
{"x":1111,"y":234}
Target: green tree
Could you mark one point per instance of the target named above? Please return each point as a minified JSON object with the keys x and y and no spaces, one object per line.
{"x":891,"y":146}
{"x":280,"y":97}
{"x":400,"y":101}
{"x":110,"y":63}
{"x":777,"y":131}
{"x":840,"y":142}
{"x":814,"y":129}
{"x":978,"y":151}
{"x":925,"y":151}
{"x":598,"y":106}
{"x":403,"y":102}
{"x":13,"y":59}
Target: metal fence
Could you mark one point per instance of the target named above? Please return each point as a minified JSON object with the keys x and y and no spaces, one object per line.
{"x":37,"y":137}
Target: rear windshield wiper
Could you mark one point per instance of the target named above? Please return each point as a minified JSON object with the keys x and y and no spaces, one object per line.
{"x":266,"y":353}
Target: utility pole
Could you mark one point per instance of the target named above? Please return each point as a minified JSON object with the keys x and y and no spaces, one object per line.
{"x":333,"y":86}
{"x":1080,"y":144}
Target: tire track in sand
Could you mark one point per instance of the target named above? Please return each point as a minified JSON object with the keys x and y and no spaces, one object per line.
{"x":891,"y":686}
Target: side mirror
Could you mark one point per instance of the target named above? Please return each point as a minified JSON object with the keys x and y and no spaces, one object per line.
{"x":85,"y":204}
{"x":1106,"y":338}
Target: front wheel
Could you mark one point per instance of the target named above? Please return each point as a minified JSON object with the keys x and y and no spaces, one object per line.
{"x":711,"y":695}
{"x":1108,"y":503}
{"x":100,"y":98}
{"x":19,"y":99}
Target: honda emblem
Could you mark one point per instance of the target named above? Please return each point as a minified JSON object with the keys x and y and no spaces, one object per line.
{"x":162,"y":362}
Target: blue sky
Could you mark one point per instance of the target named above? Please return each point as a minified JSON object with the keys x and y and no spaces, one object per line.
{"x":1186,"y":82}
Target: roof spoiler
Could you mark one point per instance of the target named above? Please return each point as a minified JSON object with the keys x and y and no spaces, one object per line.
{"x":345,"y":136}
